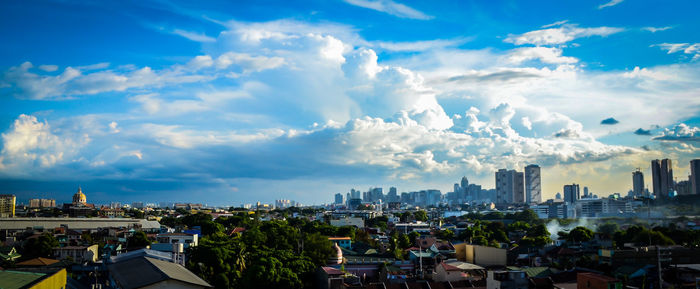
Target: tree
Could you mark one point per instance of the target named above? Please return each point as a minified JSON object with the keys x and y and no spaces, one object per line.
{"x":318,"y":248}
{"x":421,"y":216}
{"x":608,"y":229}
{"x":580,"y":234}
{"x":446,"y":234}
{"x":138,"y":240}
{"x":41,"y":246}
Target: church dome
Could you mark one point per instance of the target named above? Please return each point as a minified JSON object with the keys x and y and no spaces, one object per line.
{"x":79,"y":197}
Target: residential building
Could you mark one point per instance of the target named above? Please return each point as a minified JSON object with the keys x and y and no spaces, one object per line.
{"x":42,"y":203}
{"x":510,"y":187}
{"x":343,"y":242}
{"x":189,"y":240}
{"x":638,"y":183}
{"x":533,"y":184}
{"x":453,"y":270}
{"x":78,"y":254}
{"x":24,"y":279}
{"x":480,"y":255}
{"x":695,"y":176}
{"x":596,"y":281}
{"x":7,"y":206}
{"x":147,"y":272}
{"x":348,"y":221}
{"x":506,"y":280}
{"x":662,"y":178}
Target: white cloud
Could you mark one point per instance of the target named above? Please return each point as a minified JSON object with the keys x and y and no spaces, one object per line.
{"x":391,"y":8}
{"x":656,"y":29}
{"x":48,"y":68}
{"x":194,"y":36}
{"x":680,"y":132}
{"x":550,"y":55}
{"x":609,"y":4}
{"x":31,"y":144}
{"x":419,"y":45}
{"x":558,"y":23}
{"x":560,"y":35}
{"x":686,"y":48}
{"x":113,"y":127}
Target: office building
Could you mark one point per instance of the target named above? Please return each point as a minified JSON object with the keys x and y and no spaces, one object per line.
{"x":695,"y":176}
{"x":662,"y":178}
{"x":572,"y":193}
{"x":533,"y":185}
{"x":7,"y":206}
{"x":638,"y":183}
{"x":339,"y":199}
{"x":510,"y":187}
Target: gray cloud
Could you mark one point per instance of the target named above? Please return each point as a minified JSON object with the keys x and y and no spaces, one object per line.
{"x":609,"y":121}
{"x":641,"y":131}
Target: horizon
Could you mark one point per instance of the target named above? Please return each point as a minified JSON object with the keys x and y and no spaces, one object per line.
{"x":233,"y":103}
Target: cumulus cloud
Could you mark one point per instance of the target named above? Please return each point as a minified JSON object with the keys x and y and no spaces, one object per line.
{"x":609,"y":121}
{"x":391,"y":8}
{"x":681,"y":133}
{"x":31,"y":144}
{"x":560,"y":35}
{"x":609,"y":4}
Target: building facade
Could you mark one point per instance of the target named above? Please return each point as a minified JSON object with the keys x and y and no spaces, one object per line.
{"x":662,"y":178}
{"x":572,"y":193}
{"x":510,"y":187}
{"x":638,"y":183}
{"x":7,"y":206}
{"x":695,"y":176}
{"x":533,"y":184}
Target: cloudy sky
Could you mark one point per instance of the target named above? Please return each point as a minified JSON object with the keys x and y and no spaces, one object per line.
{"x":231,"y":103}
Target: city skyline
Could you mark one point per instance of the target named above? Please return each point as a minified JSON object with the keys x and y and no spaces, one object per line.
{"x":230,"y":103}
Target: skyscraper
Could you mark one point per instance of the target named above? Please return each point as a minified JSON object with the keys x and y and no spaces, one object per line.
{"x":533,"y":184}
{"x":638,"y":183}
{"x":509,"y":187}
{"x":695,"y":176}
{"x":339,"y":199}
{"x":662,"y":177}
{"x":572,"y":193}
{"x":464,"y":183}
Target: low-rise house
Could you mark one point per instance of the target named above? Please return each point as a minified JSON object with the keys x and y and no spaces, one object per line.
{"x":190,"y":240}
{"x":78,"y":254}
{"x":507,"y":280}
{"x":343,"y":242}
{"x":596,"y":281}
{"x":147,"y":272}
{"x":454,"y":270}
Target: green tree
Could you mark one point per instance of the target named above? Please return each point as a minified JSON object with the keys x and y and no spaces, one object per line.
{"x":421,"y":216}
{"x":138,"y":240}
{"x":580,"y":234}
{"x":318,"y":248}
{"x":608,"y":229}
{"x":41,"y":246}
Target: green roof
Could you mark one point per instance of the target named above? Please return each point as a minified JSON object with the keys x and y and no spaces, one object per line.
{"x":17,"y":279}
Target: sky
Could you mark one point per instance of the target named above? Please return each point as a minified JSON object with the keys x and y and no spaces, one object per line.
{"x":233,"y":102}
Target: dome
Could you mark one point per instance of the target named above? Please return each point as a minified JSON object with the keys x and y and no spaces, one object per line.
{"x":79,"y":197}
{"x":338,"y":258}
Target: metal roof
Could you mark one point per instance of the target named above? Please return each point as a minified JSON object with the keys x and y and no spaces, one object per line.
{"x":75,"y":223}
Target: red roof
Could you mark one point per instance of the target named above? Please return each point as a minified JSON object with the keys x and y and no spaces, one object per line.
{"x":449,"y":267}
{"x":332,"y":271}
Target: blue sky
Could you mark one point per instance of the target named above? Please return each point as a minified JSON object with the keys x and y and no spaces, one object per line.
{"x":229,"y":103}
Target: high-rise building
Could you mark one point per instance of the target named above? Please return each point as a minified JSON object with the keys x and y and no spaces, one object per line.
{"x":695,"y":176}
{"x":638,"y":183}
{"x":533,"y":184}
{"x":464,"y":183}
{"x":585,"y":192}
{"x":354,"y":194}
{"x":7,"y":206}
{"x":510,"y":187}
{"x":393,"y":195}
{"x":339,"y":199}
{"x":572,"y":193}
{"x":662,"y":177}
